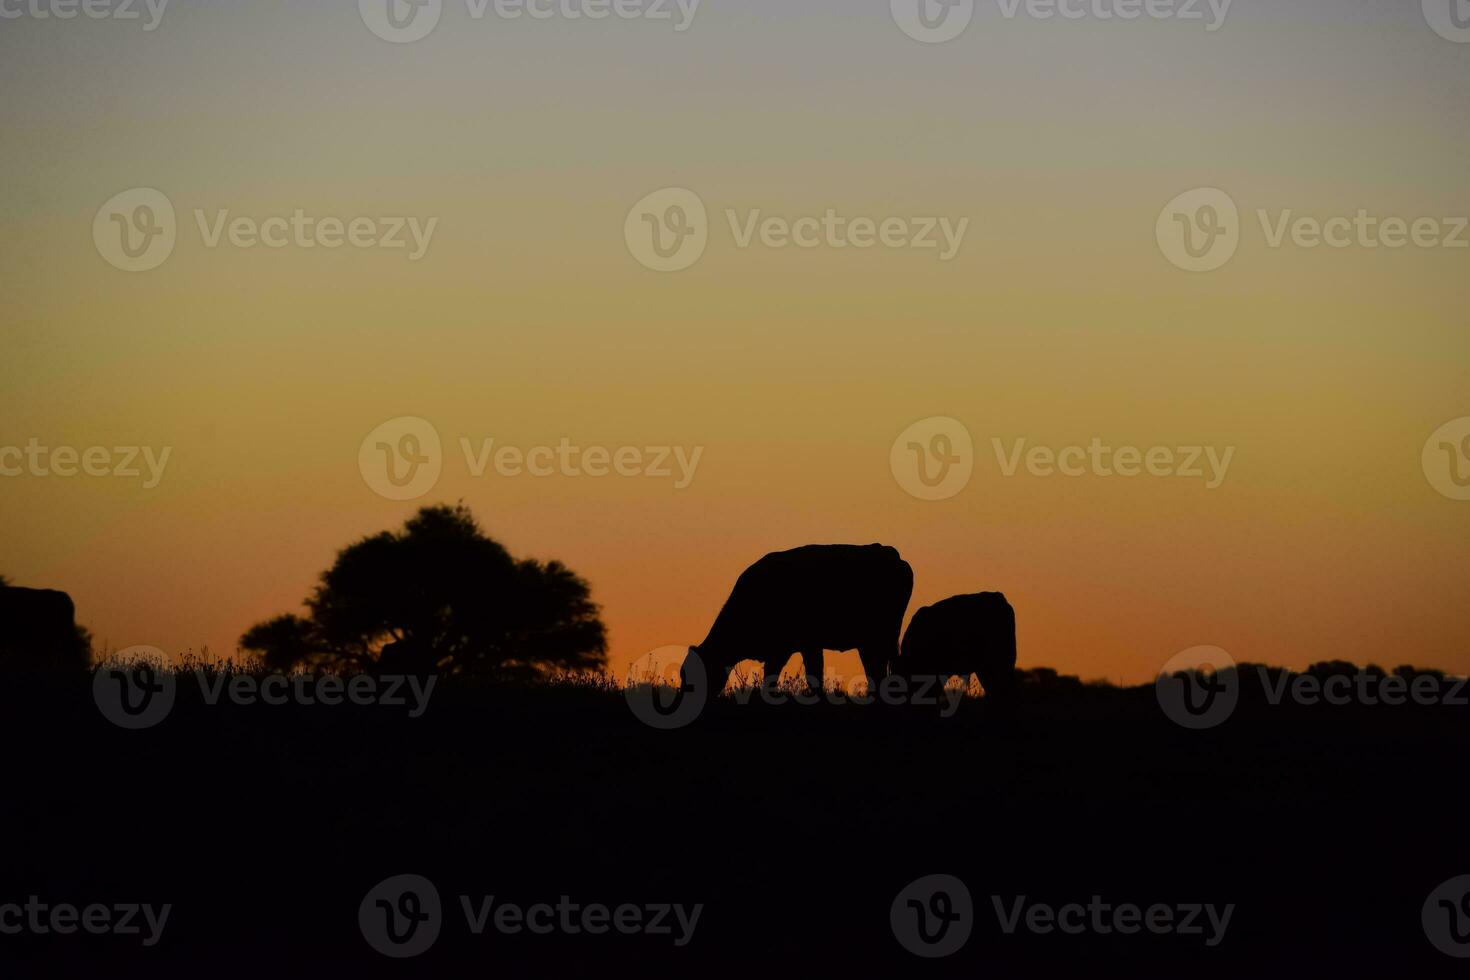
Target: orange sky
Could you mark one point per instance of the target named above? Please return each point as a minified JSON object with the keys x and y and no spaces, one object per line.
{"x":529,"y":321}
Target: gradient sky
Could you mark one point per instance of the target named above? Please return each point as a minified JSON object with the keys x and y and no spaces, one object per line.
{"x":529,"y":321}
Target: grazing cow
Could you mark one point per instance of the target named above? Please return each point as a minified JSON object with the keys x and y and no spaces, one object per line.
{"x":811,"y":599}
{"x":405,"y":657}
{"x":39,"y":629}
{"x":964,"y":634}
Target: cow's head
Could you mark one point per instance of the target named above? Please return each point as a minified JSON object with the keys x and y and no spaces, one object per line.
{"x":715,"y":674}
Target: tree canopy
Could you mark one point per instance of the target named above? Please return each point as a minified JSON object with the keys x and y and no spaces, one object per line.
{"x":438,"y":596}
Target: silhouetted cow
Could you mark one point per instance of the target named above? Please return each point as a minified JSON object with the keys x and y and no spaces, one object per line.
{"x":811,"y":599}
{"x":405,"y":657}
{"x":964,"y":634}
{"x":38,"y":629}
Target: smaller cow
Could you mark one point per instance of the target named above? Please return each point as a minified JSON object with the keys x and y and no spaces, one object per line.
{"x":964,"y":635}
{"x":38,"y":630}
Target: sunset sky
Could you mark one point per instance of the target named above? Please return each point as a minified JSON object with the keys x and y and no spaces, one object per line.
{"x":529,"y":321}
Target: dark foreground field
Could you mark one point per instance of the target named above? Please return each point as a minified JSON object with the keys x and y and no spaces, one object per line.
{"x":795,"y":826}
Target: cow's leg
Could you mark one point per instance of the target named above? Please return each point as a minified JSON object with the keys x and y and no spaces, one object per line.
{"x":716,"y":678}
{"x":875,"y":659}
{"x":772,"y":680}
{"x":812,"y":662}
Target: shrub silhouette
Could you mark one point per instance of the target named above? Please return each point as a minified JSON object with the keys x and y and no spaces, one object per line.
{"x":438,"y":596}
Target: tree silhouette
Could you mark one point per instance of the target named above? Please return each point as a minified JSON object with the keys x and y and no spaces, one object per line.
{"x":438,"y":596}
{"x":1342,"y":668}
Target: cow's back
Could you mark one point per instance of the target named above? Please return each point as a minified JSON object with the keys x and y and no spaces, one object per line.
{"x":834,"y":595}
{"x":944,"y":634}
